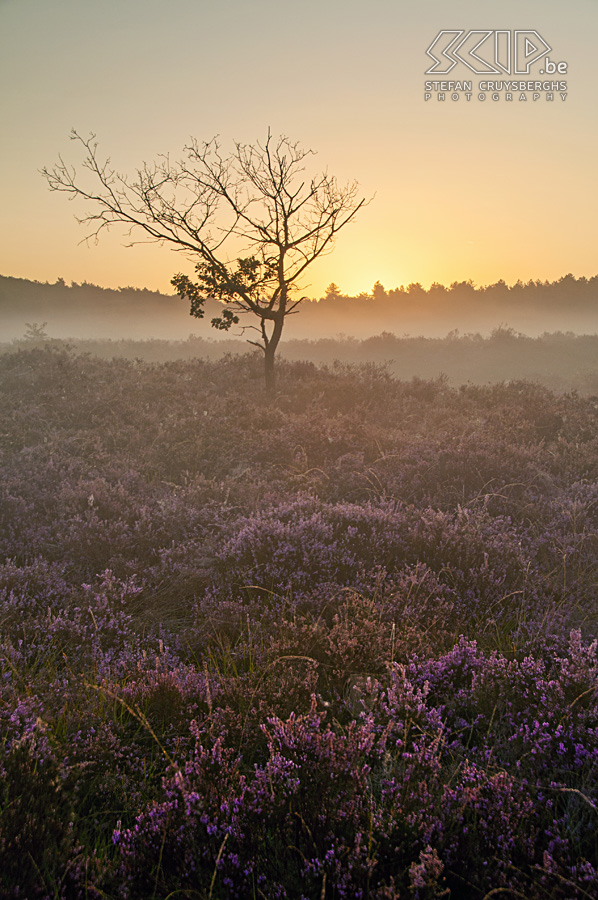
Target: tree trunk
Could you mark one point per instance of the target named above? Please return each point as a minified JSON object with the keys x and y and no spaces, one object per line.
{"x":269,"y":369}
{"x":270,"y":352}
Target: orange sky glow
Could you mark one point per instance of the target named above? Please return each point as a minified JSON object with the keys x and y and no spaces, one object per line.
{"x":461,"y":189}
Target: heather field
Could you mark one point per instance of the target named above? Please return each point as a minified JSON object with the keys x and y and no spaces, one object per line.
{"x":340,"y":644}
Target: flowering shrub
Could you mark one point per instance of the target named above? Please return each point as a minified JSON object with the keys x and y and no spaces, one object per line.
{"x":342,"y":645}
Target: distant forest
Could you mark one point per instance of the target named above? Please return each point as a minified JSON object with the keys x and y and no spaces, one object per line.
{"x":86,"y":310}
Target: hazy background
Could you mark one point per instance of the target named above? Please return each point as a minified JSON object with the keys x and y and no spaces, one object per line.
{"x":475,"y":190}
{"x":86,"y":310}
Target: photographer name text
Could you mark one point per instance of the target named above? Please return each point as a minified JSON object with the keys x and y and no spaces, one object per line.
{"x":520,"y":91}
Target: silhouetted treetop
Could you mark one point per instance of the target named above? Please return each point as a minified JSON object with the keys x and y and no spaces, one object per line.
{"x":251,"y":220}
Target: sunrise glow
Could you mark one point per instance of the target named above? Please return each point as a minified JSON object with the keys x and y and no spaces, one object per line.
{"x":459,"y":189}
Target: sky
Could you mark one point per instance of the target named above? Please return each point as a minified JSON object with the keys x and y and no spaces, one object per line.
{"x":461,"y":189}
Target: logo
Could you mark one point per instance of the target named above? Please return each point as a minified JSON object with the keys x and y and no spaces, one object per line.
{"x":487,"y":52}
{"x":518,"y":57}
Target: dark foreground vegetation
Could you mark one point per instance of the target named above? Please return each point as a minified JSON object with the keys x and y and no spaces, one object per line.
{"x":341,"y":645}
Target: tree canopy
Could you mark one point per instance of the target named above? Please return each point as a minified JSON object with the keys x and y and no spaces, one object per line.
{"x":252,"y":221}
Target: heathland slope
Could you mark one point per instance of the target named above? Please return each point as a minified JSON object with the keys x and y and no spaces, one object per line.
{"x":337,"y":644}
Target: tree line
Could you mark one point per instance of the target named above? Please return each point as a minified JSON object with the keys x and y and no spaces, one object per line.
{"x":582,"y":292}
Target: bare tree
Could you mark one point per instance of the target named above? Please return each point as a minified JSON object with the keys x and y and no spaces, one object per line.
{"x":252,"y":221}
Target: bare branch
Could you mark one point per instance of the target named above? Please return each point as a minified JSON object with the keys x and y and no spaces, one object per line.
{"x":252,"y":221}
